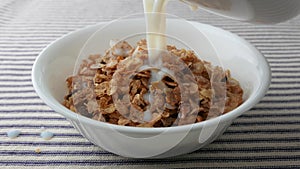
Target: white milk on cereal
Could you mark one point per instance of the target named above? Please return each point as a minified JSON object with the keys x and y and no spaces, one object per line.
{"x":156,"y":41}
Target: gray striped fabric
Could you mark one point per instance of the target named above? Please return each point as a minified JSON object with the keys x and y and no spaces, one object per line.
{"x":267,"y":136}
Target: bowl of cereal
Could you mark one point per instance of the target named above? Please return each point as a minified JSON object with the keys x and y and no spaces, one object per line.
{"x":127,"y":112}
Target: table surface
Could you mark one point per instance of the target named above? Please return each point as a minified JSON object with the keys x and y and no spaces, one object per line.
{"x":267,"y":136}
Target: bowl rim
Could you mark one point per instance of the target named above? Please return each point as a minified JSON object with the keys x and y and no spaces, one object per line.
{"x":245,"y":106}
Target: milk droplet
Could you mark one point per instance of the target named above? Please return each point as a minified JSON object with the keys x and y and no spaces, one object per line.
{"x":13,"y":133}
{"x":146,"y":96}
{"x":42,"y":129}
{"x":46,"y":135}
{"x":147,"y":116}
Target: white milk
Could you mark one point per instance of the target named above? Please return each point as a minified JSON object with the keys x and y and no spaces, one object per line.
{"x":156,"y":42}
{"x":156,"y":27}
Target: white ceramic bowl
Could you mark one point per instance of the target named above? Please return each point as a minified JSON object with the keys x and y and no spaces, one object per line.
{"x":247,"y":65}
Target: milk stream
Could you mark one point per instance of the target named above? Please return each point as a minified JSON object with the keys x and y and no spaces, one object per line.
{"x":156,"y":28}
{"x":156,"y":43}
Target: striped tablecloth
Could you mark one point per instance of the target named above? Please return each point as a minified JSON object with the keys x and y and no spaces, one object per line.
{"x":267,"y":136}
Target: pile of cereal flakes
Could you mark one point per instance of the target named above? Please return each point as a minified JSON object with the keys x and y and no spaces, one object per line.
{"x":90,"y":92}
